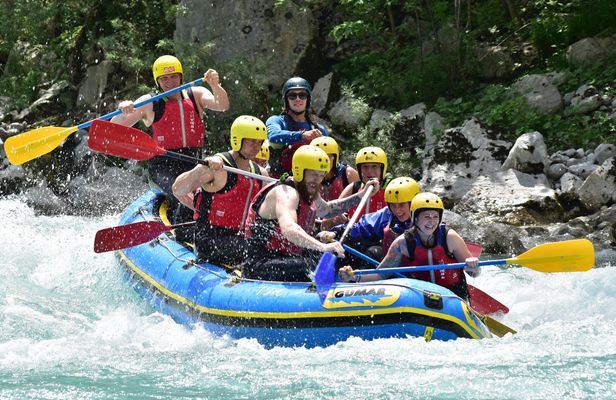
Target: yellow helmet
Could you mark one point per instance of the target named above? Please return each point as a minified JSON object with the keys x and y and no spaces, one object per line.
{"x":309,"y":157}
{"x":166,"y":65}
{"x":329,"y":145}
{"x":264,"y":153}
{"x":427,"y":201}
{"x":401,"y":190}
{"x":371,"y":154}
{"x":246,"y":127}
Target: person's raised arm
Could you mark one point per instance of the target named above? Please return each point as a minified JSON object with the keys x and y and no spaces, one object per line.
{"x":332,"y":208}
{"x":217,"y":99}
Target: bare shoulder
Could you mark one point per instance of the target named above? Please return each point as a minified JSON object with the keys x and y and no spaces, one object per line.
{"x":347,"y":191}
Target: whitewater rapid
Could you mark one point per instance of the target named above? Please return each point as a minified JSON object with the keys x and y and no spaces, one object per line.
{"x":72,"y":328}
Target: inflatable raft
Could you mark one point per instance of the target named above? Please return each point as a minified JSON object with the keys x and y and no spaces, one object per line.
{"x":282,"y":313}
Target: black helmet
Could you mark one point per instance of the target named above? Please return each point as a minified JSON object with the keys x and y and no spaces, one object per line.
{"x":296,"y":83}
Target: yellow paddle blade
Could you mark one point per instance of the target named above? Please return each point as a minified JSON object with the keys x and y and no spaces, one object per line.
{"x":496,"y":327}
{"x":567,"y":256}
{"x":32,"y":144}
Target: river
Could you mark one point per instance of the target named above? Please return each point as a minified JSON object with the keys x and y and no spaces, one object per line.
{"x":71,"y":328}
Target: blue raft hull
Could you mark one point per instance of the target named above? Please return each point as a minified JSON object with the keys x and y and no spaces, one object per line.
{"x":288,"y":314}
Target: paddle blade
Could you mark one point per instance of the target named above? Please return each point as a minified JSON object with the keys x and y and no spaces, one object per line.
{"x":122,"y":141}
{"x":123,"y":236}
{"x":483,"y":303}
{"x":568,"y":256}
{"x":35,"y":143}
{"x":496,"y":327}
{"x":324,"y":274}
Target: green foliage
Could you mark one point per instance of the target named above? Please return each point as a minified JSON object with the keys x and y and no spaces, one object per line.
{"x":49,"y":40}
{"x":555,"y":24}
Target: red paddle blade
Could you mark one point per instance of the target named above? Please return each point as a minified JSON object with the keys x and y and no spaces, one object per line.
{"x":122,"y":141}
{"x":123,"y":236}
{"x":474,"y":248}
{"x":485,"y":304}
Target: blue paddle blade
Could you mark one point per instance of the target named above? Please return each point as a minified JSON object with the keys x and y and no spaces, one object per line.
{"x":325,"y":274}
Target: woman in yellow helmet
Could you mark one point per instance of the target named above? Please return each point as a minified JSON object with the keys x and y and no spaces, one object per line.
{"x":221,"y":199}
{"x":428,"y":242}
{"x":281,"y":221}
{"x":176,"y":121}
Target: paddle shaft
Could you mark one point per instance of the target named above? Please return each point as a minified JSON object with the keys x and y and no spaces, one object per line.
{"x":184,"y":157}
{"x":144,"y":102}
{"x":355,"y":216}
{"x":426,"y":267}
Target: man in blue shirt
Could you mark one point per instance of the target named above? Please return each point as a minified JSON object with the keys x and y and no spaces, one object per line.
{"x":294,"y":127}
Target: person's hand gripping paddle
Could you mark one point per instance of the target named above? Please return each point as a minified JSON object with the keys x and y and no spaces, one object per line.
{"x":325,"y":273}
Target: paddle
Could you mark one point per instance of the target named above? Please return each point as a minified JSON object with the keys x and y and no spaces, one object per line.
{"x":123,"y":236}
{"x":325,"y":272}
{"x":481,"y":302}
{"x":126,"y":142}
{"x":567,"y":256}
{"x":37,"y":142}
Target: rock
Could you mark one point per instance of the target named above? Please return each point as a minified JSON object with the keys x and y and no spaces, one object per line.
{"x":433,"y":125}
{"x":599,"y":188}
{"x":94,"y":84}
{"x":590,"y":50}
{"x":415,"y":111}
{"x":570,"y":183}
{"x":511,"y":197}
{"x":603,"y":152}
{"x":556,"y":171}
{"x":494,"y":63}
{"x":585,"y":100}
{"x":540,"y":92}
{"x":583,"y":170}
{"x":379,"y":119}
{"x":48,"y":99}
{"x":529,"y":154}
{"x":459,"y":156}
{"x":320,"y":93}
{"x":350,"y":113}
{"x":279,"y":40}
{"x":111,"y":192}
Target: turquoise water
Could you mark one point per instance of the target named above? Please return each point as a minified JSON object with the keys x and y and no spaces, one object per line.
{"x":71,"y":328}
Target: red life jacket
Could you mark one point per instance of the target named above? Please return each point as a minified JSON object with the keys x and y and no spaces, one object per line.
{"x":178,"y":125}
{"x":331,"y":189}
{"x":228,"y":208}
{"x":264,"y":235}
{"x":376,"y":202}
{"x":388,"y":238}
{"x":440,"y":254}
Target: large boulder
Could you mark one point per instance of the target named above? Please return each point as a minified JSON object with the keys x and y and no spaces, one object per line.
{"x":590,"y":50}
{"x":95,"y":83}
{"x":529,"y":154}
{"x":511,"y":197}
{"x":273,"y":39}
{"x":599,"y":188}
{"x":452,"y":162}
{"x":541,"y":92}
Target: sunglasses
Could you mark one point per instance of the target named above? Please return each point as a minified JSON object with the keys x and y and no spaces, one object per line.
{"x":293,"y":96}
